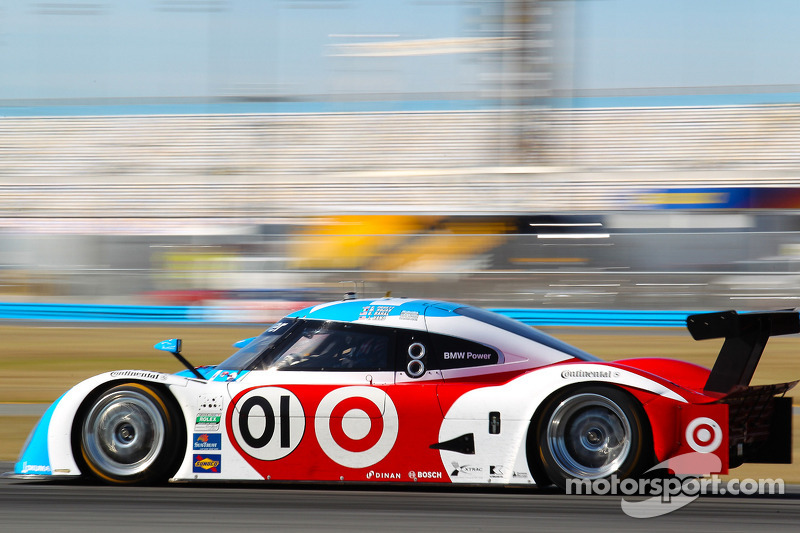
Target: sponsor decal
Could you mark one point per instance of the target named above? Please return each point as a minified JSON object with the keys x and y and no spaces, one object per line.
{"x":277,"y":326}
{"x":207,"y":441}
{"x":207,"y":421}
{"x":496,"y":471}
{"x":703,"y":435}
{"x":229,"y":375}
{"x":209,"y":412}
{"x":461,"y":354}
{"x":211,"y":463}
{"x":38,"y":469}
{"x":210,"y":403}
{"x":268,"y":423}
{"x":409,"y":315}
{"x":566,"y":374}
{"x":467,"y":356}
{"x":375,"y":312}
{"x":521,"y":475}
{"x":425,"y":475}
{"x":383,"y":476}
{"x":356,"y":426}
{"x":467,"y":470}
{"x":138,"y":374}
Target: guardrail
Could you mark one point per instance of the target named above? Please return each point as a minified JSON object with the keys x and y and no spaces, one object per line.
{"x":598,"y":317}
{"x":100,"y":313}
{"x":223,"y":315}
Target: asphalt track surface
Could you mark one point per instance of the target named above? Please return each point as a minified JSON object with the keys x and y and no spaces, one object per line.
{"x":73,"y":507}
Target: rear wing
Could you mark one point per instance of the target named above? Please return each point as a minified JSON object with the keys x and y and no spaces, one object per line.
{"x":745,"y":337}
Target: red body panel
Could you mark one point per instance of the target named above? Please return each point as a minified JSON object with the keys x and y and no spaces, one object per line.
{"x":687,"y":375}
{"x":409,"y":458}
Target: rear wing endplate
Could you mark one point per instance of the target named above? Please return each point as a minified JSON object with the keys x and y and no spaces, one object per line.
{"x":745,"y":337}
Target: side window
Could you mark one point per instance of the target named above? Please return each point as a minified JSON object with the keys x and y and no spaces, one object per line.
{"x":333,"y":346}
{"x":453,"y":352}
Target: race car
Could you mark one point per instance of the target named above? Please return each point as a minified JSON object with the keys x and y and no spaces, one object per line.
{"x":396,"y":390}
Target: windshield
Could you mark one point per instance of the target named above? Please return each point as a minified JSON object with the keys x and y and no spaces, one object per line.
{"x":518,"y":328}
{"x":245,"y":357}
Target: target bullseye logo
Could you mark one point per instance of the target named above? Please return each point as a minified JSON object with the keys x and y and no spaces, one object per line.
{"x":703,"y":435}
{"x":356,"y":426}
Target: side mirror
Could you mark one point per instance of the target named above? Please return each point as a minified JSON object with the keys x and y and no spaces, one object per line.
{"x":239,"y":344}
{"x":171,"y":345}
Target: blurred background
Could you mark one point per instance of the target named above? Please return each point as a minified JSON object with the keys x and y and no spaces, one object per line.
{"x":258,"y":155}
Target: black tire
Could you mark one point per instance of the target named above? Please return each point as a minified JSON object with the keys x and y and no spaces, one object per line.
{"x":591,"y":432}
{"x":131,"y":433}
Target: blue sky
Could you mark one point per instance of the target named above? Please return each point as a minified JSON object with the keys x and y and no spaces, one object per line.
{"x":188,"y":48}
{"x":666,"y":43}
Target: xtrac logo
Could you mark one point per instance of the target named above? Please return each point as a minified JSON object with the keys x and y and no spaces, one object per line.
{"x":466,"y":470}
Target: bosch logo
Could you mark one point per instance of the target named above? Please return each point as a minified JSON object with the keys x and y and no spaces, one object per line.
{"x":703,"y":435}
{"x":356,"y":426}
{"x":425,"y":475}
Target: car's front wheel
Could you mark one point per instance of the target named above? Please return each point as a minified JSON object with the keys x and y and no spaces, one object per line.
{"x":129,"y":433}
{"x":592,"y":432}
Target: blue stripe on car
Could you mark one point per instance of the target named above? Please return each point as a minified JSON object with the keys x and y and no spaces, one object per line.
{"x":35,"y":459}
{"x":352,"y":310}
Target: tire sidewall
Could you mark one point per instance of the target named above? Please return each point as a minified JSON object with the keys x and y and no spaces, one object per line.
{"x":639,"y":453}
{"x":164,"y":465}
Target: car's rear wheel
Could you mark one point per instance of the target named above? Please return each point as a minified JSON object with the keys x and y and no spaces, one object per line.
{"x":129,"y":433}
{"x":592,"y":432}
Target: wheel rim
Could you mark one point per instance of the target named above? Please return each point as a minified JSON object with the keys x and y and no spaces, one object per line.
{"x":123,"y":433}
{"x":589,"y":436}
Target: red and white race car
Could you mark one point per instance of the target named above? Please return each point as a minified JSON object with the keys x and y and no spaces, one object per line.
{"x":400,"y":390}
